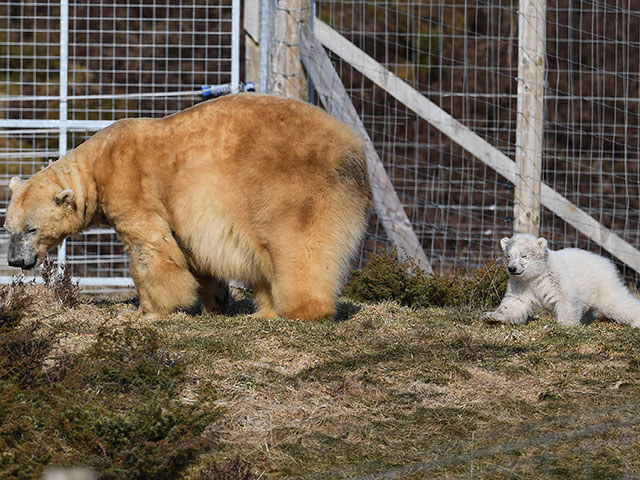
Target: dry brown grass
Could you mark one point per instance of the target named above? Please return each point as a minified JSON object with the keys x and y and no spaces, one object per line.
{"x":392,"y":386}
{"x":407,"y":393}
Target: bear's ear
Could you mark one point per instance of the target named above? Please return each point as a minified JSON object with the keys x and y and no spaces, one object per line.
{"x":64,"y":197}
{"x":542,"y":243}
{"x":504,"y":243}
{"x":14,"y":183}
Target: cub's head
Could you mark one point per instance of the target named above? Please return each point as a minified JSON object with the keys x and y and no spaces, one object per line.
{"x":524,"y":255}
{"x":39,"y":216}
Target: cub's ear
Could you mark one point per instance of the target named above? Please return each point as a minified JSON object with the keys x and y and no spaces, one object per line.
{"x":14,"y":183}
{"x":542,"y":243}
{"x":64,"y":197}
{"x":504,"y":243}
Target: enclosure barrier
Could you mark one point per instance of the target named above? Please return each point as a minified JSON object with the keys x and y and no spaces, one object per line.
{"x":485,"y":152}
{"x":478,"y":118}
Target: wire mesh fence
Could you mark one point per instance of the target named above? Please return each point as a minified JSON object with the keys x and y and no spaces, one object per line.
{"x":150,"y":58}
{"x":456,"y":55}
{"x":592,"y":121}
{"x":124,"y":59}
{"x":463,"y":56}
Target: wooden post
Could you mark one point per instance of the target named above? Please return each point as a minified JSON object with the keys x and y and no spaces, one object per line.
{"x":288,"y":78}
{"x":386,"y":203}
{"x":530,"y":116}
{"x":251,"y":49}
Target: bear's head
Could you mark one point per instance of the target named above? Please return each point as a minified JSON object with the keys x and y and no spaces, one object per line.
{"x":40,"y":215}
{"x":525,"y":255}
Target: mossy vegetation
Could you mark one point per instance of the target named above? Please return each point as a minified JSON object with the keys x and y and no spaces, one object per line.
{"x":385,"y":279}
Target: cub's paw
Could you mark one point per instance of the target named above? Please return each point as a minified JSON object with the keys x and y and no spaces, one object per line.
{"x":490,"y":318}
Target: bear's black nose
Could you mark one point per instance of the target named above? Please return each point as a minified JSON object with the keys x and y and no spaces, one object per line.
{"x":512,"y":269}
{"x":15,"y":262}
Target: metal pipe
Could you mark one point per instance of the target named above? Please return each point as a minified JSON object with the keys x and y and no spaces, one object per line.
{"x":235,"y":46}
{"x":64,"y":85}
{"x":82,"y":281}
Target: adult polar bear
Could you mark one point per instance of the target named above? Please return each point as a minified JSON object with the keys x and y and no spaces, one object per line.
{"x":268,"y":191}
{"x":570,"y":282}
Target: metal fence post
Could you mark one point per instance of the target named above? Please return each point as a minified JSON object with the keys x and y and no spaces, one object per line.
{"x":64,"y":82}
{"x":530,"y":111}
{"x":235,"y":46}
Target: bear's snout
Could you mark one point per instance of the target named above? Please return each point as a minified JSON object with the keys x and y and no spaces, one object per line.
{"x":512,"y":269}
{"x":20,"y":253}
{"x":23,"y":263}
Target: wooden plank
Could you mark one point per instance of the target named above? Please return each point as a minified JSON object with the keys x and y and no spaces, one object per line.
{"x":478,"y":147}
{"x":251,"y":24}
{"x":251,"y":59}
{"x":287,"y":73}
{"x":336,"y":101}
{"x":530,"y":115}
{"x":251,"y":20}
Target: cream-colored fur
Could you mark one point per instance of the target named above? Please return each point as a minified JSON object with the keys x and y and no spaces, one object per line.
{"x":268,"y":191}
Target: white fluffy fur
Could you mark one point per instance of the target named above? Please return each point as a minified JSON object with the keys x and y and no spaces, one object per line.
{"x":571,"y":283}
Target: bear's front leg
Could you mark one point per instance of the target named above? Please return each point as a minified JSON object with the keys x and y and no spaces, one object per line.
{"x":512,"y":310}
{"x":161,"y":275}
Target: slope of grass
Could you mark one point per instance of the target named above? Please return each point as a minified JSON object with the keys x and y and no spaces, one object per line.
{"x":435,"y":389}
{"x":383,"y":391}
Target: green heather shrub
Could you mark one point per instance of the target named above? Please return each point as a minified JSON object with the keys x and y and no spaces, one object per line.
{"x":384,"y":278}
{"x":117,"y":406}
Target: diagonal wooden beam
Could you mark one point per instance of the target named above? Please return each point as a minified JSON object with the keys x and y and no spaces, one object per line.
{"x":334,"y":97}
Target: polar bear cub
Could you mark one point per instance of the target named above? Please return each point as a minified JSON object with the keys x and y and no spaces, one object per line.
{"x":572,"y":283}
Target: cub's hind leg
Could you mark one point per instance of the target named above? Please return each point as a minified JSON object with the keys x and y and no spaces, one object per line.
{"x":620,"y":305}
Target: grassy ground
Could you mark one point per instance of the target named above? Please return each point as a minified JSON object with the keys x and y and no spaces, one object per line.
{"x":384,"y":391}
{"x":421,"y":394}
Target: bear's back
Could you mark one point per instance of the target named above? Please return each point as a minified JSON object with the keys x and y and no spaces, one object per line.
{"x":581,"y":266}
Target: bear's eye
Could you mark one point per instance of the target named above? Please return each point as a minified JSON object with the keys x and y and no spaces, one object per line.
{"x":524,"y":256}
{"x":31,"y":230}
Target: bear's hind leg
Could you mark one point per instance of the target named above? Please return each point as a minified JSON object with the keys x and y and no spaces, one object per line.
{"x":264,"y":301}
{"x":304,"y":302}
{"x":304,"y":293}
